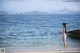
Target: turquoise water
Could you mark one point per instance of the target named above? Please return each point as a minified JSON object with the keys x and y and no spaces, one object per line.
{"x":37,"y":31}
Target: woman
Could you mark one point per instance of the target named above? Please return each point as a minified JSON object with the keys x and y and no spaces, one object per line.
{"x":64,"y":35}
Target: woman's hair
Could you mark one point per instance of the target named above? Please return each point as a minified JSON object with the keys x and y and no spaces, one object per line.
{"x":64,"y":25}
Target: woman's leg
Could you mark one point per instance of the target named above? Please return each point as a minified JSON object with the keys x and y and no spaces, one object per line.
{"x":65,"y":44}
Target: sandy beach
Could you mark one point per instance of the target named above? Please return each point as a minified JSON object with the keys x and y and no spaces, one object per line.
{"x":68,"y":50}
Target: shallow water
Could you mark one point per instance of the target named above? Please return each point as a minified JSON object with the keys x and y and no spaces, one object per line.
{"x":37,"y":31}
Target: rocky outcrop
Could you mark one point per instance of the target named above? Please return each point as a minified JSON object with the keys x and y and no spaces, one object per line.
{"x":74,"y":34}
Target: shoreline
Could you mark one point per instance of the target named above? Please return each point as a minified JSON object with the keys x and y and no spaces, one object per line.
{"x":65,"y":50}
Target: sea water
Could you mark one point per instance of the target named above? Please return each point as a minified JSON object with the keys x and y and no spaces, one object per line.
{"x":37,"y":31}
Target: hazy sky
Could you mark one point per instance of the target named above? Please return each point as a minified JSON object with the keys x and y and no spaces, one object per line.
{"x":51,"y":6}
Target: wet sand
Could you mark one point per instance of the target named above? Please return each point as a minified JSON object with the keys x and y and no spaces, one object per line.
{"x":67,"y":50}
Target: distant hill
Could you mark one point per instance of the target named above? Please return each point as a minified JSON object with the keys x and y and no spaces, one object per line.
{"x":36,"y":13}
{"x":67,"y":11}
{"x":63,"y":11}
